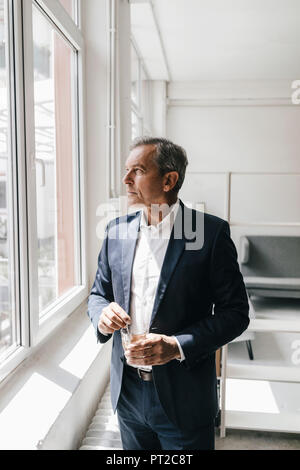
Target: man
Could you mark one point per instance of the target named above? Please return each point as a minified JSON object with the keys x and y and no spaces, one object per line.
{"x":191,"y":296}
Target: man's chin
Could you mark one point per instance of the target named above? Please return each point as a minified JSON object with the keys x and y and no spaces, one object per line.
{"x":132,"y":198}
{"x":134,"y":202}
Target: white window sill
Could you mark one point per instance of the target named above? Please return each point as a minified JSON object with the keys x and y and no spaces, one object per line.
{"x":49,"y":400}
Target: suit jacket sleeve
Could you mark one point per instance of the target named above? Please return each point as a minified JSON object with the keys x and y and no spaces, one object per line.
{"x":101,"y":294}
{"x":230,"y":300}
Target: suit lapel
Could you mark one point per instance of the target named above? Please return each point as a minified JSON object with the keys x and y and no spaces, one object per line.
{"x":130,"y":237}
{"x":174,"y":251}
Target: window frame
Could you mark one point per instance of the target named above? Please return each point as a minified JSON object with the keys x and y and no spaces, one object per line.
{"x":11,"y":182}
{"x":33,"y":329}
{"x":137,"y":108}
{"x":67,"y":303}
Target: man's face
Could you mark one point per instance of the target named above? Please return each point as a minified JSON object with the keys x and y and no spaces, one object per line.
{"x":144,"y":184}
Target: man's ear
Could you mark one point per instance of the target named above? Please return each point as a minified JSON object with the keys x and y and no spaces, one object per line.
{"x":170,"y":181}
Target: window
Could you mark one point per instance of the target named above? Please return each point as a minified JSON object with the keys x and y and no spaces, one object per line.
{"x":135,"y":125}
{"x":42,"y":251}
{"x":140,"y":96}
{"x":135,"y":79}
{"x":55,"y":155}
{"x":145,"y":102}
{"x":8,"y":331}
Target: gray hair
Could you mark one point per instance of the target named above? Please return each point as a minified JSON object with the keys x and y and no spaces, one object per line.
{"x":168,"y":157}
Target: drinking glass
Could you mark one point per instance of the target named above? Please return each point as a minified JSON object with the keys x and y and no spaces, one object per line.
{"x":130,"y":335}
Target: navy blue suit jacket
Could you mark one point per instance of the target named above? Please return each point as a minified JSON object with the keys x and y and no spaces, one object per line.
{"x":201,"y":299}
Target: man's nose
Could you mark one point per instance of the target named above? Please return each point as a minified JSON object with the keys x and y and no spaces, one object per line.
{"x":127,"y":179}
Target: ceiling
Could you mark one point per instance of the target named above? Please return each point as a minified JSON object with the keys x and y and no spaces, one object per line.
{"x":219,"y":39}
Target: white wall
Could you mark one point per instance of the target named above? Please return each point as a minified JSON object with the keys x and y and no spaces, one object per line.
{"x":95,"y":34}
{"x":244,"y":128}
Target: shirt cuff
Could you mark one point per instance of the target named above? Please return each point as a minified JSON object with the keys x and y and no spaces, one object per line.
{"x":182,"y":356}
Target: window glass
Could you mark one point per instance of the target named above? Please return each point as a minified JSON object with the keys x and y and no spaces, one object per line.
{"x":134,"y":76}
{"x":7,"y":307}
{"x":134,"y":126}
{"x":145,"y":98}
{"x":56,"y":155}
{"x":69,"y":6}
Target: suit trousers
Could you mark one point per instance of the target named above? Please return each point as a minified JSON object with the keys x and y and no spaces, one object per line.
{"x":145,"y":426}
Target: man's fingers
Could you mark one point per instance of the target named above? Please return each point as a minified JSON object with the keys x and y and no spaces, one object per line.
{"x":109,"y":331}
{"x":113,"y":316}
{"x":120,"y":311}
{"x":113,"y":321}
{"x":145,"y":343}
{"x":119,"y":315}
{"x":112,"y":324}
{"x":142,"y":360}
{"x":103,"y":328}
{"x":141,"y":353}
{"x":132,"y":347}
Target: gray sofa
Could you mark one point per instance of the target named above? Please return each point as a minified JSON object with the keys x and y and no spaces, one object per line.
{"x":271,"y":265}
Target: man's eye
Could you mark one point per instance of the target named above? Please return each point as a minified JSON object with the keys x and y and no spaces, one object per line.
{"x":138,"y":171}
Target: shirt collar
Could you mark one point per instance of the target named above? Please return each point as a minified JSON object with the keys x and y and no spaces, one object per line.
{"x":165,"y":226}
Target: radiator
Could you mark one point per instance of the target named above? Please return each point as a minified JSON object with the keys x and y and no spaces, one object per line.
{"x":103,"y":432}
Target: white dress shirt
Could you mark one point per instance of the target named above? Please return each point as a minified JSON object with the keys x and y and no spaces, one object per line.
{"x":150,"y":251}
